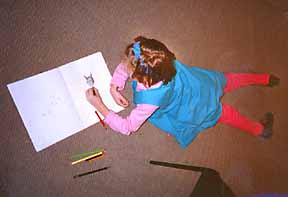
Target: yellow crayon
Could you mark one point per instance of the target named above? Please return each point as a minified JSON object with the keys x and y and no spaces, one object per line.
{"x":86,"y":158}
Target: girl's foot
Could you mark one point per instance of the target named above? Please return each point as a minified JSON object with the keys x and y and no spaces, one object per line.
{"x":267,"y":123}
{"x":273,"y":81}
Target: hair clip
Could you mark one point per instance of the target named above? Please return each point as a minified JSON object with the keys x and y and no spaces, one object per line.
{"x":137,"y":52}
{"x":145,"y":67}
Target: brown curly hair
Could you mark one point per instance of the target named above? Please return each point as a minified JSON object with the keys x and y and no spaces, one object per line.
{"x":158,"y":58}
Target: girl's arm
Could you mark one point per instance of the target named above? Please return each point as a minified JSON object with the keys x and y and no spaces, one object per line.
{"x":117,"y":83}
{"x":123,"y":125}
{"x":120,"y":76}
{"x":132,"y":122}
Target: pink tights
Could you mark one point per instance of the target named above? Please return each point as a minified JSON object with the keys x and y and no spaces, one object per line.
{"x":232,"y":117}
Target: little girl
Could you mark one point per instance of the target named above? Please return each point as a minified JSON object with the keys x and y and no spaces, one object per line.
{"x":178,"y":99}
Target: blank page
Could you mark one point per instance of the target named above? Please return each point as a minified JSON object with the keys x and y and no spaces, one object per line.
{"x":46,"y":108}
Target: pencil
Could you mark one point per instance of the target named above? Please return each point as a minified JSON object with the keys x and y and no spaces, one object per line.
{"x":102,"y":122}
{"x":86,"y":158}
{"x":90,"y":172}
{"x":94,"y":158}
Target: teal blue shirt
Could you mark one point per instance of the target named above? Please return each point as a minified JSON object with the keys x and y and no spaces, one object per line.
{"x":188,"y":104}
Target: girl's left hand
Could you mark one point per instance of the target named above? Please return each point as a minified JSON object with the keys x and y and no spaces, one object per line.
{"x":94,"y":100}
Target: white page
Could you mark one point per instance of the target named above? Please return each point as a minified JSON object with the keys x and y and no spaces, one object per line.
{"x":73,"y":74}
{"x":46,"y":108}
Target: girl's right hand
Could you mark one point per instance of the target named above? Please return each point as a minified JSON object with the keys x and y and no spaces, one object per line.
{"x":118,"y":98}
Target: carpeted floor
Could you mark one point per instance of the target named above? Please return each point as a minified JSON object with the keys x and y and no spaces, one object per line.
{"x":225,"y":35}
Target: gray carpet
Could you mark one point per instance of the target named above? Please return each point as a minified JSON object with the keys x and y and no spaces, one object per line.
{"x":225,"y":35}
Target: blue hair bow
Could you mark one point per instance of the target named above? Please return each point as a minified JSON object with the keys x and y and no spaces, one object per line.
{"x":136,"y":50}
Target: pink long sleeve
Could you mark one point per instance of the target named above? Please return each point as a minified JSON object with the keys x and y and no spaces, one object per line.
{"x":132,"y":122}
{"x":120,"y":76}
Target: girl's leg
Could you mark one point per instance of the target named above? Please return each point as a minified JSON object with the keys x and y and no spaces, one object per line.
{"x":232,"y":117}
{"x":237,"y":80}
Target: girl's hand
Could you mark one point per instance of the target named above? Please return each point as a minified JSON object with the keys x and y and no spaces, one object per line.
{"x":118,"y":98}
{"x":94,"y":100}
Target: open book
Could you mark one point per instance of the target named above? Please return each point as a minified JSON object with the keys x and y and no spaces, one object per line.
{"x":53,"y":105}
